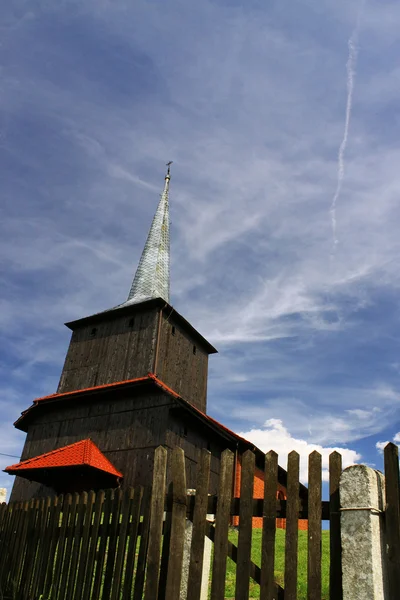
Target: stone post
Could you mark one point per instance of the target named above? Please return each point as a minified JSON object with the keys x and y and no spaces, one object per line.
{"x":362,"y":500}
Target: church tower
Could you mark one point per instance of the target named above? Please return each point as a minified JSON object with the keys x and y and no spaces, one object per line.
{"x":144,"y":334}
{"x":134,"y":377}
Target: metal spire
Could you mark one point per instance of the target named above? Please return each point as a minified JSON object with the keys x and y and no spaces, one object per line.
{"x":152,"y":276}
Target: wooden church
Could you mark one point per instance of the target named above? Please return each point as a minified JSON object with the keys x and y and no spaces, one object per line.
{"x":134,"y":378}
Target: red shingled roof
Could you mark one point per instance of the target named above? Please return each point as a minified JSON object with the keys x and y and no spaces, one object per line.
{"x":81,"y":453}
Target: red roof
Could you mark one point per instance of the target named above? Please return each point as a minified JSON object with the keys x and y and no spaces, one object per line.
{"x":81,"y":453}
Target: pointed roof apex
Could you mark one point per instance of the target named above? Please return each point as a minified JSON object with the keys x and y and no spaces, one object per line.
{"x":152,"y":278}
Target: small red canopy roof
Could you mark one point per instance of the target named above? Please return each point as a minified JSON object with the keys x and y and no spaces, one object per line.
{"x":81,"y":453}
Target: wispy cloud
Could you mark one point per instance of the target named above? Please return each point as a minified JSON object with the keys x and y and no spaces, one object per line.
{"x":250,"y":112}
{"x":351,"y":73}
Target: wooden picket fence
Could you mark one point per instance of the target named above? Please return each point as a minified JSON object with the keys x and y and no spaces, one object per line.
{"x":130,"y":544}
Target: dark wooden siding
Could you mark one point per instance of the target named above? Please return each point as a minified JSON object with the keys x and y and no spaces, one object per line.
{"x":127,"y":428}
{"x":116,"y":349}
{"x":182,"y":363}
{"x":188,"y":433}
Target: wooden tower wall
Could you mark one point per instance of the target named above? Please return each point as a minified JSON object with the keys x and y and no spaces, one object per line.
{"x":114,"y":349}
{"x":126,"y":426}
{"x":141,"y":341}
{"x":182,"y":362}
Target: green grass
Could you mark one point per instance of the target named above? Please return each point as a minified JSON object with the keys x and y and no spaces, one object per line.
{"x":279,"y":563}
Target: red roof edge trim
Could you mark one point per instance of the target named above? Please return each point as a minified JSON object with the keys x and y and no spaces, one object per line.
{"x":97,"y":387}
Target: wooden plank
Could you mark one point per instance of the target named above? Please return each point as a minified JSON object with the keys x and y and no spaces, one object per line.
{"x":66,"y":508}
{"x":335,"y":568}
{"x":267,"y":583}
{"x":31,"y":550}
{"x":178,"y":525}
{"x":142,"y":557}
{"x":91,"y":555}
{"x":135,"y":497}
{"x":222,"y":526}
{"x":156,"y":524}
{"x":108,"y":501}
{"x":42,"y":550}
{"x":5,"y":542}
{"x":86,"y":531}
{"x":126,"y":507}
{"x":165,"y":551}
{"x":19,"y":559}
{"x":75,"y":530}
{"x":54,"y":535}
{"x":392,"y":517}
{"x":292,"y":524}
{"x":51,"y":505}
{"x":68,"y":546}
{"x":245,"y":526}
{"x":199,"y":526}
{"x":314,"y":526}
{"x":112,"y":545}
{"x":14,"y":548}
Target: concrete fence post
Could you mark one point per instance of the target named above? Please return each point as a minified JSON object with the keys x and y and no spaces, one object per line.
{"x":362,"y":500}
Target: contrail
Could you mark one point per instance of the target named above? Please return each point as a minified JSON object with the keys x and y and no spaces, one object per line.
{"x":351,"y":73}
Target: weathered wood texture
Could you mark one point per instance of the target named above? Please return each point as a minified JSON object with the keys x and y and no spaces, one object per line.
{"x":85,"y":546}
{"x":133,"y":345}
{"x":32,"y":536}
{"x":182,"y":362}
{"x":115,"y":349}
{"x":335,"y":573}
{"x":392,"y":517}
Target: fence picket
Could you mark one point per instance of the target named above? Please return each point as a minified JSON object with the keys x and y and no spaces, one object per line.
{"x":13,"y":546}
{"x":222,"y":520}
{"x":19,"y":558}
{"x":75,"y":531}
{"x":31,"y":549}
{"x":267,"y":583}
{"x":68,"y":547}
{"x":178,"y":524}
{"x":314,"y":526}
{"x":245,"y":526}
{"x":132,"y":533}
{"x":123,"y":532}
{"x":85,"y":535}
{"x":292,"y":525}
{"x":49,"y":581}
{"x":392,"y":509}
{"x":199,"y":526}
{"x":107,"y":504}
{"x":144,"y":542}
{"x":156,"y":524}
{"x":41,"y":552}
{"x":91,"y":554}
{"x":335,"y":567}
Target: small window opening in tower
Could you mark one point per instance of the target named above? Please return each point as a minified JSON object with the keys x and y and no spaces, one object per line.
{"x":173,"y":330}
{"x":194,"y":349}
{"x":93,"y":332}
{"x":208,"y":445}
{"x":185,"y":431}
{"x":131,"y":322}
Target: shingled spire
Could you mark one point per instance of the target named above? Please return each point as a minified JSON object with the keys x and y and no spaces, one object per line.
{"x":152,"y":276}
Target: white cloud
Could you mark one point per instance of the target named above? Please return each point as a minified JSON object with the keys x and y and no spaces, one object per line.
{"x":380,"y":446}
{"x":275,"y":436}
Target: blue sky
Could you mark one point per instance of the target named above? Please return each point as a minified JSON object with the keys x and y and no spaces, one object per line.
{"x":249,"y":100}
